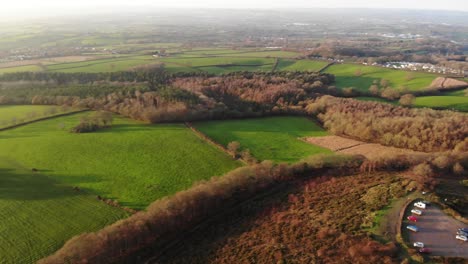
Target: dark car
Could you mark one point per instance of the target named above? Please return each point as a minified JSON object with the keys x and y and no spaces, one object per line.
{"x":460,"y":232}
{"x":463,"y":230}
{"x":427,"y":203}
{"x":424,"y":251}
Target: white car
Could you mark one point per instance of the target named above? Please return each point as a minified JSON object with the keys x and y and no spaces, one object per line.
{"x":460,"y":237}
{"x":416,"y":211}
{"x":420,"y":205}
{"x":418,"y":244}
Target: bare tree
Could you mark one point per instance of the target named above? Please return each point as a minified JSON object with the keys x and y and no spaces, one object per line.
{"x":233,"y":148}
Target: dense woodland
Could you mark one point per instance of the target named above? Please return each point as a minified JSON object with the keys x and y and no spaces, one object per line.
{"x":418,"y":129}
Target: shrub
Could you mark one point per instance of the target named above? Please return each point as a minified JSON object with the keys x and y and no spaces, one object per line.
{"x":423,"y":169}
{"x":407,"y":100}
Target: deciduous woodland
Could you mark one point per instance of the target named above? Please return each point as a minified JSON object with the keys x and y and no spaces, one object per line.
{"x":417,"y":129}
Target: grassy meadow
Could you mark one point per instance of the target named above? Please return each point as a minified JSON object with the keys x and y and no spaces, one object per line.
{"x":131,"y":162}
{"x":25,"y":68}
{"x":271,"y":138}
{"x":15,"y":114}
{"x":103,"y":65}
{"x":300,"y":65}
{"x":345,"y":75}
{"x":459,"y":103}
{"x":38,"y":214}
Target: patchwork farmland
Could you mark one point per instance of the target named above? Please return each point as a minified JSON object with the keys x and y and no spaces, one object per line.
{"x":51,"y":178}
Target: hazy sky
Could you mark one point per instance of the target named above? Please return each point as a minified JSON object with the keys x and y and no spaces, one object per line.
{"x":23,"y":7}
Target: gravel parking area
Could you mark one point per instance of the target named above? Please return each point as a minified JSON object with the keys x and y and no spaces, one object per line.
{"x":437,"y":231}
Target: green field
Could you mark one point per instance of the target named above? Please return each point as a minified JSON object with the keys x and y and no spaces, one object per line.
{"x":131,"y":162}
{"x":300,"y":65}
{"x":38,"y":214}
{"x":345,"y":75}
{"x":267,"y":54}
{"x":459,"y":103}
{"x":15,"y":114}
{"x":217,"y":65}
{"x":272,"y":138}
{"x":26,"y":68}
{"x":103,"y":65}
{"x":457,"y":93}
{"x":216,"y":61}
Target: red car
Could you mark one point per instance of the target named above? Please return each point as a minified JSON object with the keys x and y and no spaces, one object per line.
{"x":425,"y":251}
{"x":412,"y":218}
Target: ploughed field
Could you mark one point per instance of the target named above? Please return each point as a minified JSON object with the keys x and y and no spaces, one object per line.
{"x":371,"y":151}
{"x":271,"y":138}
{"x":131,"y":163}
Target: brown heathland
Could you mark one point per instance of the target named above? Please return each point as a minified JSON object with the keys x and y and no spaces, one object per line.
{"x":309,"y":223}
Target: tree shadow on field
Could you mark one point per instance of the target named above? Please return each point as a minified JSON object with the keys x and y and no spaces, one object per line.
{"x":18,"y":184}
{"x":121,"y":128}
{"x":360,"y":83}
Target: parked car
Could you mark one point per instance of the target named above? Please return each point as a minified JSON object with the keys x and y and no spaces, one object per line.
{"x":416,"y":211}
{"x":461,"y":233}
{"x":427,"y":203}
{"x":460,"y":237}
{"x":418,"y":244}
{"x":425,"y":250}
{"x":463,"y":229}
{"x":413,"y":228}
{"x":420,"y":205}
{"x":412,"y":218}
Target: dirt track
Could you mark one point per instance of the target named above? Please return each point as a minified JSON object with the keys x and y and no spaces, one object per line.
{"x":437,"y":232}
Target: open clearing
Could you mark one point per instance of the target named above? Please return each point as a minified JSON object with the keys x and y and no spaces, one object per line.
{"x":437,"y":232}
{"x":38,"y":214}
{"x":271,"y":138}
{"x":15,"y":114}
{"x":131,"y":162}
{"x":351,"y":146}
{"x":346,"y":77}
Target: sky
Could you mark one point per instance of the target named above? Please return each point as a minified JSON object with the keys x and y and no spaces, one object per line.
{"x":43,"y":7}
